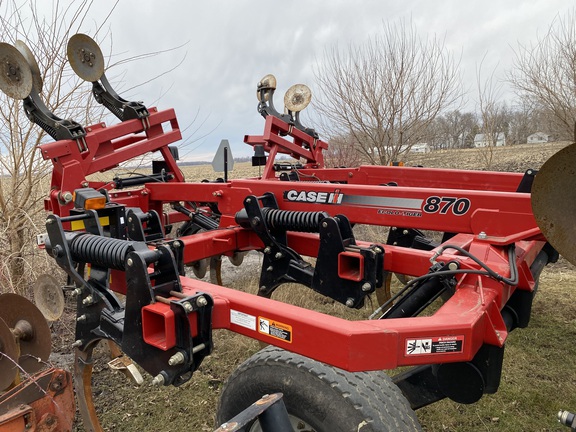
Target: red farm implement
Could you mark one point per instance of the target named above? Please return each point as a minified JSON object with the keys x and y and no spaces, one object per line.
{"x":466,"y":245}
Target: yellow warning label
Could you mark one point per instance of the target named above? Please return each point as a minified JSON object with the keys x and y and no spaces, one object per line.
{"x":275,"y":329}
{"x":79,"y":224}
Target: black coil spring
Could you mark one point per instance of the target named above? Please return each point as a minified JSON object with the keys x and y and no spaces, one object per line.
{"x":100,"y":251}
{"x":293,"y":220}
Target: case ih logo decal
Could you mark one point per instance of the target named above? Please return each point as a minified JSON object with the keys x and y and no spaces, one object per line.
{"x":392,"y":206}
{"x":314,"y":196}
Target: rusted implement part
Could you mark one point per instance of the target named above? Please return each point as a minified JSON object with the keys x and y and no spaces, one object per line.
{"x":29,"y":328}
{"x":44,"y":402}
{"x":8,"y":356}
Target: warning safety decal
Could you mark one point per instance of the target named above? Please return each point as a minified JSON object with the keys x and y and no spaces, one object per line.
{"x":435,"y":345}
{"x":275,"y":329}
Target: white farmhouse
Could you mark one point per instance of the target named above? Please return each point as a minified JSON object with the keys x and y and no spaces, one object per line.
{"x":420,"y":148}
{"x":539,"y":137}
{"x":485,"y":140}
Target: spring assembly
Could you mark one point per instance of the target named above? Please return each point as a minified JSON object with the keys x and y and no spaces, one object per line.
{"x":100,"y":251}
{"x":289,"y":220}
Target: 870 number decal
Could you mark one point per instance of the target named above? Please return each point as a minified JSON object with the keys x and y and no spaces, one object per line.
{"x":443,"y":205}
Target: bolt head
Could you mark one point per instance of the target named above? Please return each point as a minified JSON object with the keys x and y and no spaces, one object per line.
{"x":350,"y":302}
{"x":176,"y":359}
{"x":201,"y":301}
{"x":129,"y":262}
{"x":366,"y":287}
{"x":158,"y":380}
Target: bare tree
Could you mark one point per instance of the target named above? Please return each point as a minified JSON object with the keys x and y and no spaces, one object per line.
{"x":454,"y":130}
{"x":545,"y":72}
{"x":493,"y":114}
{"x":386,"y":92}
{"x":522,"y":122}
{"x":24,"y":174}
{"x":342,"y":152}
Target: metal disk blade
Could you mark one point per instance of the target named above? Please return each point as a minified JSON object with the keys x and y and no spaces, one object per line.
{"x":266,"y":83}
{"x":8,"y":356}
{"x":29,"y":56}
{"x":85,"y":57}
{"x":237,"y":258}
{"x":297,"y":97}
{"x":16,"y":310}
{"x":199,"y":268}
{"x":49,"y":297}
{"x":554,"y":203}
{"x":15,"y":73}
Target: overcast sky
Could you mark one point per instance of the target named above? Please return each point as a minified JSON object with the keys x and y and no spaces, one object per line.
{"x":230,"y":45}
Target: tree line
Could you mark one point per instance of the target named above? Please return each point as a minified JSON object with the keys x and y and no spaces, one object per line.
{"x":378,"y":99}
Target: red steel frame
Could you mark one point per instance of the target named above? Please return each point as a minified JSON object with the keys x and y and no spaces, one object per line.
{"x":483,"y":208}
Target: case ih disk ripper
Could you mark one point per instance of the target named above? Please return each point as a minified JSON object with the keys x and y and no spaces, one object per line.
{"x":464,"y":290}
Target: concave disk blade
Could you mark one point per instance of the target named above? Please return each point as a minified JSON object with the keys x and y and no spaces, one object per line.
{"x":8,"y":354}
{"x":269,"y":83}
{"x":34,"y":349}
{"x":15,"y":73}
{"x":49,"y":297}
{"x":297,"y":97}
{"x":29,"y":56}
{"x":554,"y":203}
{"x":85,"y":57}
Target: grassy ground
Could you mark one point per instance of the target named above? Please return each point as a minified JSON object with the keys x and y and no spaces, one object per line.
{"x":539,"y":374}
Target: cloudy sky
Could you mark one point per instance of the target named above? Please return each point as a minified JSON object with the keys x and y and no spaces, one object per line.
{"x":230,"y":45}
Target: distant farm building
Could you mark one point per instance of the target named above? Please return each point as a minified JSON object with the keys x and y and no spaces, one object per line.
{"x":539,"y":137}
{"x":416,"y":148}
{"x":420,"y":148}
{"x":487,"y":140}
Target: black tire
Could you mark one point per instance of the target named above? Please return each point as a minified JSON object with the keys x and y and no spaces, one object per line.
{"x":326,"y":398}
